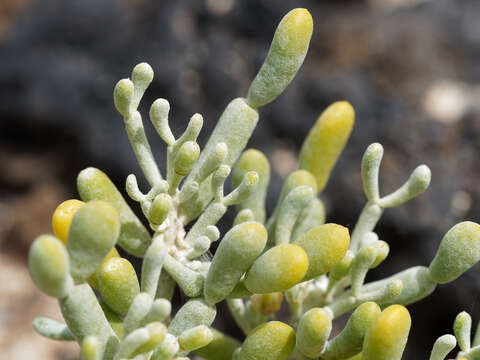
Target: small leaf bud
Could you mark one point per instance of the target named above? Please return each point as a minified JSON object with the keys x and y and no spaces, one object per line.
{"x":122,"y":96}
{"x":267,"y":304}
{"x":186,"y":157}
{"x":160,"y":208}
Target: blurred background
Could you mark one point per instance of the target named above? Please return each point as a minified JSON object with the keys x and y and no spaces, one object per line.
{"x":411,"y":69}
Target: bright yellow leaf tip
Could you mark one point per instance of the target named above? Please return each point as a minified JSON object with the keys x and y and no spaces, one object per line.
{"x":287,"y":52}
{"x":387,"y":336}
{"x":326,"y":140}
{"x":118,"y":284}
{"x":92,"y":235}
{"x":273,"y":340}
{"x":278,"y":269}
{"x":313,"y":331}
{"x":325,"y":245}
{"x":62,"y":218}
{"x":295,"y":30}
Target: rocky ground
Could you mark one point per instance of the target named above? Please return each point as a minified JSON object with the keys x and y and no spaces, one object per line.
{"x":411,"y":68}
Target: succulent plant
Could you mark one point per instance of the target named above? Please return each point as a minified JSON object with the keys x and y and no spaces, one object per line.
{"x":317,"y":267}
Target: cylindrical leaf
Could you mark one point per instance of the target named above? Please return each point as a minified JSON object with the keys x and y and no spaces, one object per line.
{"x":118,"y":284}
{"x":122,"y":96}
{"x":195,"y":338}
{"x":142,"y":76}
{"x":167,"y":349}
{"x":253,"y":160}
{"x":193,"y":313}
{"x":278,"y":269}
{"x":236,"y":253}
{"x":61,"y":222}
{"x":326,"y":140}
{"x":52,"y":329}
{"x":62,"y":218}
{"x":93,"y":184}
{"x":186,"y":157}
{"x":462,"y":328}
{"x":370,"y":169}
{"x":159,"y":116}
{"x":287,"y":52}
{"x":159,"y":210}
{"x":85,"y":317}
{"x":458,"y":252}
{"x":416,"y":281}
{"x":417,"y":183}
{"x":381,"y":249}
{"x":387,"y":336}
{"x":350,"y":340}
{"x":442,"y":347}
{"x":234,"y":128}
{"x":138,"y":312}
{"x":313,"y":331}
{"x":152,"y":266}
{"x":245,"y":190}
{"x":311,"y":216}
{"x":190,"y":281}
{"x":49,"y":266}
{"x":296,"y":179}
{"x":271,"y":341}
{"x":160,"y":310}
{"x":157,"y":332}
{"x":289,"y":212}
{"x":93,"y":233}
{"x":325,"y":245}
